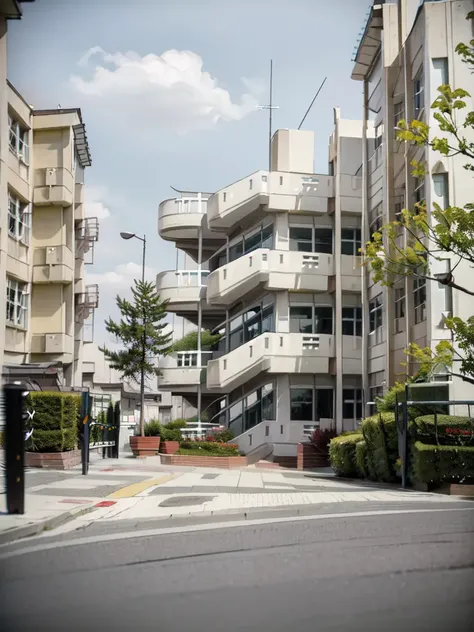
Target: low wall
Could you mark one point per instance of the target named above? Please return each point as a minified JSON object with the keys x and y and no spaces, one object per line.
{"x":226,"y":462}
{"x":309,"y":458}
{"x":53,"y":460}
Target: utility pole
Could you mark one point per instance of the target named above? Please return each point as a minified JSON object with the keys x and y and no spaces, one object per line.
{"x":270,"y":107}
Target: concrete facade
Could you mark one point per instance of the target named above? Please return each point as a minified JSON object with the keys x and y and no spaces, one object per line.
{"x":406,"y":52}
{"x":45,"y":239}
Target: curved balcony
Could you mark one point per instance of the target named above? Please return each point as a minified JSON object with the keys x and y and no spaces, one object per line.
{"x":181,"y":372}
{"x":275,"y":190}
{"x":181,"y":219}
{"x":273,"y":353}
{"x":273,"y":270}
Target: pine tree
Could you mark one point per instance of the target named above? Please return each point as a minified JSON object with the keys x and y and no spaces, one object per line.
{"x":141,"y":332}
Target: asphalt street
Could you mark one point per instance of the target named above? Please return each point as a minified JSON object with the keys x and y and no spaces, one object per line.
{"x":375,"y":571}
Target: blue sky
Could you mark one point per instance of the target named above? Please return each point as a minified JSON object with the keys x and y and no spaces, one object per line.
{"x":167,"y":91}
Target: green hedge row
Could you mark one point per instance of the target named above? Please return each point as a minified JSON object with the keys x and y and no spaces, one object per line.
{"x":449,"y":430}
{"x":381,"y":438}
{"x":208,"y":448}
{"x":342,"y":454}
{"x":55,"y":423}
{"x":441,"y":463}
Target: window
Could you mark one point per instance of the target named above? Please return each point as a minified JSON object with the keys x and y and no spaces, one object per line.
{"x":375,"y":320}
{"x":419,"y":299}
{"x":441,"y":189}
{"x":440,"y":71}
{"x":418,"y":94}
{"x":352,"y":403}
{"x":447,"y":289}
{"x":236,"y":251}
{"x":375,"y":219}
{"x":311,"y":319}
{"x":309,"y":239}
{"x":18,"y":218}
{"x":352,"y":321}
{"x":257,"y":238}
{"x":398,"y":115}
{"x":307,"y":404}
{"x":378,"y":136}
{"x":17,"y":303}
{"x":249,"y":325}
{"x":18,"y":138}
{"x":419,"y":191}
{"x":350,"y":241}
{"x":376,"y":383}
{"x":399,"y":299}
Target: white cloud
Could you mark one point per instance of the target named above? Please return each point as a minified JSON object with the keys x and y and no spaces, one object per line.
{"x":121,"y":277}
{"x":94,"y":202}
{"x":171,"y":89}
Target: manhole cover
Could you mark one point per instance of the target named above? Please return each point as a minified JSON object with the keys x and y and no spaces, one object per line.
{"x":185,"y":501}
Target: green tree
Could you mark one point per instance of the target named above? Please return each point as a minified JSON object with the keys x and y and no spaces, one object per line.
{"x":189,"y":341}
{"x":431,"y":234}
{"x":141,"y":331}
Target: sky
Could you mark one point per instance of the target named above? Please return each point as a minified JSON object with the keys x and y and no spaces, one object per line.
{"x":168,"y":90}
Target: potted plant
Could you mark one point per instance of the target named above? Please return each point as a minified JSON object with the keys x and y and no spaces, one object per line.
{"x":171,"y":436}
{"x":149,"y":444}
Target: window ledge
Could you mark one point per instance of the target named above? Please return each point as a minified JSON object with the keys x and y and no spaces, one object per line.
{"x":15,"y":326}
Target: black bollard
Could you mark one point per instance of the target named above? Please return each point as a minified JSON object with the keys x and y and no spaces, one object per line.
{"x":14,"y":398}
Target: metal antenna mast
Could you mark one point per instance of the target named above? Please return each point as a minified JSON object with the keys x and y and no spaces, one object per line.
{"x":270,"y":107}
{"x":312,"y":102}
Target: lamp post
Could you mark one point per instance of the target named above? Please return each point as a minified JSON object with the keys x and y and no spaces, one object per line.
{"x":127,"y":236}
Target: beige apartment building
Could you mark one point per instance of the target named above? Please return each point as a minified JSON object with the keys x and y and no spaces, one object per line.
{"x":406,"y":51}
{"x":45,"y":238}
{"x":278,"y":275}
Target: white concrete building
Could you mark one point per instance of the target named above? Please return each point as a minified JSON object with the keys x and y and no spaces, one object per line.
{"x":278,"y":275}
{"x":407,"y":50}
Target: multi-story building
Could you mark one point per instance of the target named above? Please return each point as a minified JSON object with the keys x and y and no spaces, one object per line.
{"x":406,"y":52}
{"x":45,"y":238}
{"x":278,"y":275}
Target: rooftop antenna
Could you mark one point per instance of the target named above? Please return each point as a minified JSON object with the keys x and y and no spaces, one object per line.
{"x":312,"y":102}
{"x":270,"y":107}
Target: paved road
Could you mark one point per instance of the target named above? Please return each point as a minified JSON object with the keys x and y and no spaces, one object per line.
{"x":371,"y":571}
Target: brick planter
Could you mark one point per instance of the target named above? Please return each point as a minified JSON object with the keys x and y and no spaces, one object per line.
{"x":144,"y":446}
{"x":226,"y":462}
{"x":53,"y":460}
{"x":309,"y":458}
{"x":169,"y":447}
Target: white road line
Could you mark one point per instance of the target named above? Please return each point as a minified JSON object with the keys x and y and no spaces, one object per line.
{"x":211,"y":527}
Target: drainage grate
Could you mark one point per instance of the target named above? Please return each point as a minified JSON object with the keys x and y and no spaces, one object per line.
{"x":185,"y":501}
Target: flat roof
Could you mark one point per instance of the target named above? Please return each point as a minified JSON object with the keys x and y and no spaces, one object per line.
{"x":80,"y":136}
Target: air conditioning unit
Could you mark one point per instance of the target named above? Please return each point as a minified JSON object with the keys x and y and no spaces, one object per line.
{"x":53,"y":255}
{"x":53,"y":343}
{"x":51,"y":176}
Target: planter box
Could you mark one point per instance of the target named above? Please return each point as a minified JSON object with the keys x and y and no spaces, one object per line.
{"x":144,"y":446}
{"x":169,"y":447}
{"x":53,"y":460}
{"x":226,"y":462}
{"x":309,"y":458}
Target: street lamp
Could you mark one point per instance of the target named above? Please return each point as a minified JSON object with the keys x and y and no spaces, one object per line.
{"x":127,"y":236}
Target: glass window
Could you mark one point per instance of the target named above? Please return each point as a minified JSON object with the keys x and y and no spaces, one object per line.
{"x":324,"y":403}
{"x":301,"y":319}
{"x":301,"y":404}
{"x":267,"y":236}
{"x":352,"y":403}
{"x":441,"y":188}
{"x":323,"y":240}
{"x":399,"y":298}
{"x":268,"y":402}
{"x":267,"y":319}
{"x":418,"y":94}
{"x":378,"y":136}
{"x":252,"y":326}
{"x":252,"y":410}
{"x":301,"y":239}
{"x":252,"y":242}
{"x":352,"y":321}
{"x":350,"y":241}
{"x":18,"y":218}
{"x":375,"y":387}
{"x":375,"y":219}
{"x":375,"y":320}
{"x":322,"y":319}
{"x":16,"y":303}
{"x":419,"y":191}
{"x":398,"y":115}
{"x":419,"y":299}
{"x":236,"y":418}
{"x":236,"y":251}
{"x":18,"y":139}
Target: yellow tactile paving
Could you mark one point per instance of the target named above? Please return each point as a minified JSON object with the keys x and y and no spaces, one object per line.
{"x":137,"y":488}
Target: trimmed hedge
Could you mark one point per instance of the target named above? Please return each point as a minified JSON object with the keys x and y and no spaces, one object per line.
{"x":55,"y":422}
{"x":361,"y":459}
{"x":381,"y":438}
{"x":451,"y":430}
{"x":342,"y":454}
{"x":441,"y":463}
{"x":208,"y":448}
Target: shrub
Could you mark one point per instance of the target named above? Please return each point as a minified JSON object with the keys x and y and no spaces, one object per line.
{"x":361,"y":459}
{"x":441,"y":463}
{"x":208,"y":448}
{"x":220,"y":436}
{"x":320,"y":439}
{"x":170,"y":434}
{"x":176,"y":424}
{"x":153,"y":428}
{"x":450,"y":430}
{"x":381,"y":438}
{"x":55,"y":423}
{"x":342,"y":454}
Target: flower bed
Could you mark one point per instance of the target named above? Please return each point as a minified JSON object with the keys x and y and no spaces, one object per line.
{"x":201,"y":460}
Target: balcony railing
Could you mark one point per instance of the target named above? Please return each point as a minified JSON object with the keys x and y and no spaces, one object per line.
{"x":196,"y":204}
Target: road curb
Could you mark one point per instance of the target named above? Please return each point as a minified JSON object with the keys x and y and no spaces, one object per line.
{"x":27,"y":531}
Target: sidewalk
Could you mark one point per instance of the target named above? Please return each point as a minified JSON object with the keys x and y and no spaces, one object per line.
{"x":127,"y":489}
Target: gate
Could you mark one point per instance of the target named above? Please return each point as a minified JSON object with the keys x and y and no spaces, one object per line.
{"x":96,"y":435}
